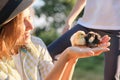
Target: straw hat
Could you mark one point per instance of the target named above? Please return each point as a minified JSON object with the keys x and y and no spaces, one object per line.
{"x":10,"y":8}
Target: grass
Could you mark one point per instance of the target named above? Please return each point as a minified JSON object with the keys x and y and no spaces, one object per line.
{"x":89,"y":69}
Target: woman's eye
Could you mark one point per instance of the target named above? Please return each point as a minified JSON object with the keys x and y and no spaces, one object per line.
{"x":29,"y":17}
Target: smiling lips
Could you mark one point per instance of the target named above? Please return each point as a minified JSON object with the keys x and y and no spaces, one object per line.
{"x":27,"y":35}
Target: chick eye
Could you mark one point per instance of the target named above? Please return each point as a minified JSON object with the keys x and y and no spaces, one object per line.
{"x":81,"y":34}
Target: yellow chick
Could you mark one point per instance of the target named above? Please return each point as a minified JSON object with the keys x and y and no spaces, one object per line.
{"x":78,"y":38}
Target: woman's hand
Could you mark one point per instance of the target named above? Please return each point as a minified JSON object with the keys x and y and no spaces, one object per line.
{"x":83,"y":52}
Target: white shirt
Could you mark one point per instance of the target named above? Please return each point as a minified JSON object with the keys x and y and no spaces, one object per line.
{"x":101,"y":14}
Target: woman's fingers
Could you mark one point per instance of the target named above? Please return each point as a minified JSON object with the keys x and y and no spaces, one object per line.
{"x":98,"y":51}
{"x":86,"y":54}
{"x":80,"y":52}
{"x":101,"y":48}
{"x":105,"y":38}
{"x":104,"y":45}
{"x":92,"y":52}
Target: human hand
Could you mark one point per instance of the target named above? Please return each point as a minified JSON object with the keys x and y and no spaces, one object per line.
{"x":83,"y":52}
{"x":103,"y":44}
{"x":66,"y":28}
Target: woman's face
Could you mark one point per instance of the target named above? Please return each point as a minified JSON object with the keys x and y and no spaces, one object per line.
{"x":27,"y":25}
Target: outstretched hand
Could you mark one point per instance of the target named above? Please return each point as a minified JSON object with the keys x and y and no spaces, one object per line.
{"x":83,"y":52}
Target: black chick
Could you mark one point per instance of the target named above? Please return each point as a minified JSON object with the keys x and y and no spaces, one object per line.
{"x":92,"y":39}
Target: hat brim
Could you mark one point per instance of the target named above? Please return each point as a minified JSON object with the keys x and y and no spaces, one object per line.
{"x":22,"y":6}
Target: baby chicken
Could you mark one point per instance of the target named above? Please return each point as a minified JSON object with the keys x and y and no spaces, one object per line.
{"x":78,"y":38}
{"x":92,"y":39}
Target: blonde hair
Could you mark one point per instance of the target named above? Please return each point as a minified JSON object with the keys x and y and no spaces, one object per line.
{"x":9,"y":35}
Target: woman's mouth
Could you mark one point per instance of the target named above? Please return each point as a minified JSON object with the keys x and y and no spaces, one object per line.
{"x":27,"y":35}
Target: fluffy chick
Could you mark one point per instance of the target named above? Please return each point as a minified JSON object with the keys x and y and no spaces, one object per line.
{"x":92,"y":39}
{"x":78,"y":38}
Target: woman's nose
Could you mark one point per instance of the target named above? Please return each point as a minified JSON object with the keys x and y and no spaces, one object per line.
{"x":28,"y":25}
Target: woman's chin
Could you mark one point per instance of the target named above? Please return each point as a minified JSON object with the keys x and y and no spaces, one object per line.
{"x":27,"y":41}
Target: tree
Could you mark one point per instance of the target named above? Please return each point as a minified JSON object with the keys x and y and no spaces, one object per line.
{"x":56,"y":12}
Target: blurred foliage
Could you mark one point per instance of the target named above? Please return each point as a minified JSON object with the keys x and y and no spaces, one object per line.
{"x":90,"y":61}
{"x":46,"y":36}
{"x":91,"y":68}
{"x":58,"y":11}
{"x":52,"y":7}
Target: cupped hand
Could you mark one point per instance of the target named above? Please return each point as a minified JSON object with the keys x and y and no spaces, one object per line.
{"x":105,"y":39}
{"x":83,"y":52}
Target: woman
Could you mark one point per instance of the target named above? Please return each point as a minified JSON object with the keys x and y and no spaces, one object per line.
{"x":101,"y":16}
{"x":23,"y":57}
